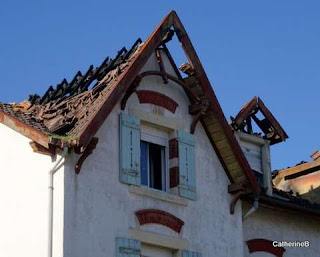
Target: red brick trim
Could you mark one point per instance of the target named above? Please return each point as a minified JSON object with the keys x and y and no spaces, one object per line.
{"x":264,"y":245}
{"x":151,"y":97}
{"x":159,"y":217}
{"x":174,"y":176}
{"x":173,"y":148}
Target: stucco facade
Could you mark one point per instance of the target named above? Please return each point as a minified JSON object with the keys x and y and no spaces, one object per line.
{"x":98,"y":208}
{"x":94,"y":208}
{"x":275,"y":225}
{"x":24,"y":199}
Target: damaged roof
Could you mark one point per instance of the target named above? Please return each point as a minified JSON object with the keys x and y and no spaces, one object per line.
{"x":269,"y":125}
{"x":64,"y":110}
{"x":287,"y":200}
{"x":71,"y":113}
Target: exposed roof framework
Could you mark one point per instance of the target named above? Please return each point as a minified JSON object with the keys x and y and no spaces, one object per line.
{"x":72,"y":113}
{"x":269,"y":125}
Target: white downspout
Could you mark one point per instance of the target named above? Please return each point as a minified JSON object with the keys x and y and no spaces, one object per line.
{"x":254,"y":207}
{"x":52,"y":171}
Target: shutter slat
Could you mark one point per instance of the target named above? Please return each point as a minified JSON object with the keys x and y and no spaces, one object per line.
{"x":186,"y":253}
{"x":128,"y":247}
{"x":130,"y":149}
{"x":187,"y":174}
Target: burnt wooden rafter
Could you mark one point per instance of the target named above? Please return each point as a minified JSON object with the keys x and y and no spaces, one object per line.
{"x":219,"y":130}
{"x":37,"y":148}
{"x":87,"y":151}
{"x":138,"y":79}
{"x":161,"y":66}
{"x":81,"y":82}
{"x":269,"y":125}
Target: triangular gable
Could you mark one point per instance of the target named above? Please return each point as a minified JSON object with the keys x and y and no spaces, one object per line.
{"x":269,"y":125}
{"x":218,"y":130}
{"x":123,"y":79}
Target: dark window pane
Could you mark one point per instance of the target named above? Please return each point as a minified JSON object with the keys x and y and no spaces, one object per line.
{"x":156,"y":166}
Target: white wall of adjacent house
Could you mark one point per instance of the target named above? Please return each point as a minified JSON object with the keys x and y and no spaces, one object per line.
{"x":281,"y":226}
{"x":99,"y":208}
{"x":24,"y":199}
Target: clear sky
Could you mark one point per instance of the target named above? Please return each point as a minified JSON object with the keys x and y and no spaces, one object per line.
{"x":266,"y":48}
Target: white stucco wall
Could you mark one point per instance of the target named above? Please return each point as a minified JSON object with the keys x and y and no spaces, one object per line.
{"x":98,"y":208}
{"x":280,"y":226}
{"x":23,"y":199}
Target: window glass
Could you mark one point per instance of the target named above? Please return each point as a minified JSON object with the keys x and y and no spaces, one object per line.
{"x":153,"y":165}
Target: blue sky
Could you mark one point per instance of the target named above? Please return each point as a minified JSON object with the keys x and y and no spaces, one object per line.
{"x":264,"y":48}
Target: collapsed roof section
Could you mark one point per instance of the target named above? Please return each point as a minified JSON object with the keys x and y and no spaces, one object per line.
{"x":62,"y":112}
{"x":270,"y":127}
{"x":71,"y":114}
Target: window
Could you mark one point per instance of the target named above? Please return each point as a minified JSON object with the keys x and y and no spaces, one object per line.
{"x":153,"y":165}
{"x":144,"y":157}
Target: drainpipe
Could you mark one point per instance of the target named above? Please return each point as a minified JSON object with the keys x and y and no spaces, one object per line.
{"x":254,"y":207}
{"x":52,"y":171}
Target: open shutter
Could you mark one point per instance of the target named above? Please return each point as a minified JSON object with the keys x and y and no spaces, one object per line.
{"x":187,"y":175}
{"x":186,"y":253}
{"x":128,"y":247}
{"x":129,"y":149}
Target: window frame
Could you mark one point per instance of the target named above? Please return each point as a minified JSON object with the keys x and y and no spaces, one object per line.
{"x":162,"y":141}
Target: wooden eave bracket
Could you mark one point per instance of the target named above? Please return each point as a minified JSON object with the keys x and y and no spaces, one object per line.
{"x":133,"y":87}
{"x":237,"y":190}
{"x":198,"y":110}
{"x":87,"y":151}
{"x":37,"y":148}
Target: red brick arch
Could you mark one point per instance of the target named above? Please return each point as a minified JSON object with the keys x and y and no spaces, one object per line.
{"x":151,"y":97}
{"x":264,"y":245}
{"x":148,"y":216}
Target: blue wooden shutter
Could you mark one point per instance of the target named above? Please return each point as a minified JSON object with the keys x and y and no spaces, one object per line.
{"x":187,"y":173}
{"x":128,"y":247}
{"x":129,"y":149}
{"x":186,"y":253}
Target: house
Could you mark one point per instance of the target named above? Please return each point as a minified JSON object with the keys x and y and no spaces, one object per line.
{"x":135,"y":158}
{"x":302,"y":180}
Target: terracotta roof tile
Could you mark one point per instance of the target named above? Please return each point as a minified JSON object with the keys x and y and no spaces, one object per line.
{"x":66,"y":109}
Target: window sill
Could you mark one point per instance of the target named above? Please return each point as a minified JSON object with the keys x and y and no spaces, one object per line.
{"x":160,"y":195}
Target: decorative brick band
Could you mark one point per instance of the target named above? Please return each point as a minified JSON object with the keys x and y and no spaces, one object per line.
{"x":173,"y":164}
{"x":173,"y":148}
{"x":151,"y":97}
{"x":263,"y":245}
{"x":159,"y":217}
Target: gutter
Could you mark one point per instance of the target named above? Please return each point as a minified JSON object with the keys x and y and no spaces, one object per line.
{"x":52,"y":171}
{"x":288,"y":205}
{"x":282,"y":204}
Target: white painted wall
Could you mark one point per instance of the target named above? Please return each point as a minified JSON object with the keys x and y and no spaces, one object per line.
{"x":280,"y":226}
{"x":98,"y":208}
{"x":23,"y":199}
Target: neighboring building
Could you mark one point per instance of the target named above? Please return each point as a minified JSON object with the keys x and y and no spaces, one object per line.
{"x":143,"y":163}
{"x":301,"y":180}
